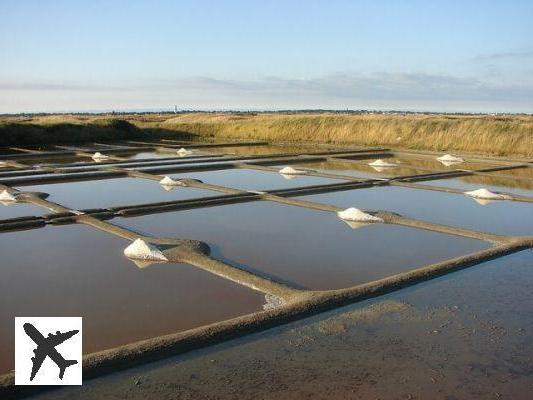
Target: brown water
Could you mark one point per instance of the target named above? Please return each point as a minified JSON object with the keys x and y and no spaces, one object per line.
{"x":114,"y":192}
{"x":311,"y":248}
{"x":501,"y":217}
{"x":463,"y":336}
{"x":247,"y":179}
{"x":77,"y":271}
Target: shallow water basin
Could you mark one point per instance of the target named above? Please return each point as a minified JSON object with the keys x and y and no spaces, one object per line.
{"x":310,"y":248}
{"x":78,"y":271}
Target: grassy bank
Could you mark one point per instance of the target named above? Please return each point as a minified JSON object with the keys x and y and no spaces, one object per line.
{"x":496,"y":135}
{"x":493,"y":135}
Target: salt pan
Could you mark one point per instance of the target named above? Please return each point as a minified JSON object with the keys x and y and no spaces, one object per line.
{"x":485,"y":194}
{"x":140,"y":250}
{"x":356,"y":215}
{"x":291,"y":171}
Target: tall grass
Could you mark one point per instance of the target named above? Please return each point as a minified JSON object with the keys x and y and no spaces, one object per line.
{"x":497,"y":135}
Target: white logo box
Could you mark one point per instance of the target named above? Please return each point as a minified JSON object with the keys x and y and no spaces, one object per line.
{"x":46,"y":332}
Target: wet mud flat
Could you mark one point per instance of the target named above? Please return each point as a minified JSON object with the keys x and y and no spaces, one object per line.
{"x":77,"y":271}
{"x":464,"y":336}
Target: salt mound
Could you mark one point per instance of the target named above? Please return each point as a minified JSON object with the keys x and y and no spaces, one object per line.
{"x":382,"y":164}
{"x":356,"y":215}
{"x":7,"y":197}
{"x":272,"y":302}
{"x":291,"y":171}
{"x":168,"y":181}
{"x":140,"y":250}
{"x":449,"y":160}
{"x":485,"y":194}
{"x":99,"y":156}
{"x":183,"y":152}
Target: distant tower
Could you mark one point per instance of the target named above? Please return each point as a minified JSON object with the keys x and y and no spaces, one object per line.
{"x":175,"y":109}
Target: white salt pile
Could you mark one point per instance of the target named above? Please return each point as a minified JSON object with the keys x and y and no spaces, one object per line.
{"x":6,"y":197}
{"x":291,"y":171}
{"x":99,"y":156}
{"x":356,"y":215}
{"x":168,"y":181}
{"x":272,"y":302}
{"x":183,"y":152}
{"x":449,"y":159}
{"x":485,"y":194}
{"x":382,"y":164}
{"x":140,"y":250}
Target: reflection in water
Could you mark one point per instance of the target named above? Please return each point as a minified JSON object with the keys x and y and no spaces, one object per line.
{"x":77,"y":271}
{"x":311,"y":248}
{"x":501,"y":217}
{"x":113,"y":192}
{"x":247,"y":179}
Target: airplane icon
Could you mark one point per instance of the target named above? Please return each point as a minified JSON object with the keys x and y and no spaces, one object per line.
{"x":46,"y":347}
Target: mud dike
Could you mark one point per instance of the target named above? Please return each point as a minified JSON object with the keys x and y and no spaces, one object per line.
{"x":285,"y":302}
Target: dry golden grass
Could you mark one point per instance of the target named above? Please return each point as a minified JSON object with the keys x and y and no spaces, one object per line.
{"x":497,"y":135}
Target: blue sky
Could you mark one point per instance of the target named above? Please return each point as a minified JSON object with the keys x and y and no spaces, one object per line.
{"x":416,"y":55}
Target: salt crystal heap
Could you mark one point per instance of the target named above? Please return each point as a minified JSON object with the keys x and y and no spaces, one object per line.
{"x":183,"y":152}
{"x":140,"y":250}
{"x":291,"y":171}
{"x":168,"y":183}
{"x":484,"y":194}
{"x":7,"y":198}
{"x":272,"y":302}
{"x":449,"y":159}
{"x":355,"y":215}
{"x":382,"y":164}
{"x":99,"y":157}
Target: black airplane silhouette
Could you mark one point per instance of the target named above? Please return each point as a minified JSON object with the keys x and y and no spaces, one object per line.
{"x":46,"y":347}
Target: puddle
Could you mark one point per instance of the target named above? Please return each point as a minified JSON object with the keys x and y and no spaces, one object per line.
{"x":17,"y":210}
{"x":77,"y":271}
{"x":247,"y":179}
{"x":311,"y":248}
{"x":522,"y":187}
{"x":114,"y":192}
{"x":500,"y":217}
{"x":462,"y":336}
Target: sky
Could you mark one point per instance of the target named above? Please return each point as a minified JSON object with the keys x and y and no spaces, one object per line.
{"x":469,"y":56}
